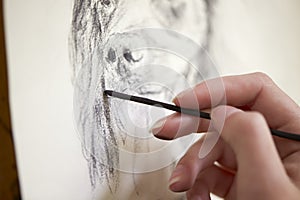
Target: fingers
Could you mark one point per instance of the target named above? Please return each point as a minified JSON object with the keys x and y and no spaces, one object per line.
{"x":245,"y":144}
{"x":249,"y":137}
{"x":189,"y":166}
{"x":177,"y":125}
{"x":245,"y":133}
{"x":211,"y":180}
{"x":256,"y":91}
{"x":252,"y":91}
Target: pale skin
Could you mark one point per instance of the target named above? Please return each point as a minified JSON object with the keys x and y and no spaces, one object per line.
{"x":252,"y":164}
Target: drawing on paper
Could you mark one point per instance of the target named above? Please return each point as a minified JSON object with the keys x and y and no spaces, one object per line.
{"x":99,"y":63}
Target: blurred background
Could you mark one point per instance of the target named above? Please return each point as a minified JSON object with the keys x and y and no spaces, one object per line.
{"x":252,"y":35}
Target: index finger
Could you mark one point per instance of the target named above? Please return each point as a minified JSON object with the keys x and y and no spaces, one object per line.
{"x":255,"y":91}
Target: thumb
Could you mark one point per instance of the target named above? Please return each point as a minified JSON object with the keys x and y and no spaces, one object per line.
{"x":249,"y":137}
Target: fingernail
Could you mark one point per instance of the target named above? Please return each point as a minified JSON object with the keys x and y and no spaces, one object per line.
{"x":176,"y":177}
{"x":157,"y":126}
{"x":182,"y":94}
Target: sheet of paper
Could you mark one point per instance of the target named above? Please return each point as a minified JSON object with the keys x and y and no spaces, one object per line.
{"x":61,"y":153}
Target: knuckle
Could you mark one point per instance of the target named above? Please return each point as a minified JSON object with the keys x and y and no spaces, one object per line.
{"x":263,"y":77}
{"x":250,"y":123}
{"x":256,"y":118}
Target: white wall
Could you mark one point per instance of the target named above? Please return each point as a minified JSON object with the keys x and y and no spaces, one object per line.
{"x":253,"y":35}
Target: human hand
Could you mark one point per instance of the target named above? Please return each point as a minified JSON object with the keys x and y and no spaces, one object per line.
{"x":251,"y":163}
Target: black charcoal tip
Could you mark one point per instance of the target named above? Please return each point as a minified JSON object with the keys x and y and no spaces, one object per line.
{"x":108,"y":92}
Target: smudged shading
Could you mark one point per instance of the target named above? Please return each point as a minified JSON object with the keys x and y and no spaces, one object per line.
{"x":89,"y":22}
{"x":128,"y":56}
{"x":111,"y":55}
